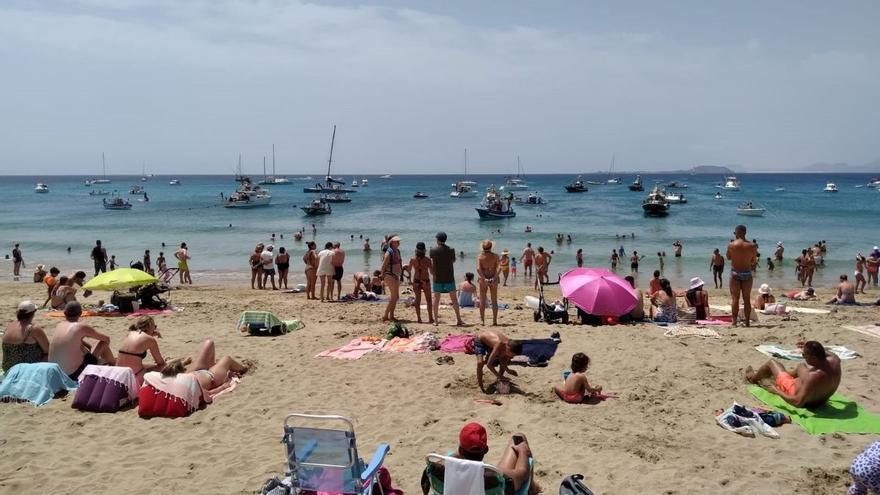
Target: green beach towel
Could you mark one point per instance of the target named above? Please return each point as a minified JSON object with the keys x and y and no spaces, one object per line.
{"x":838,"y":415}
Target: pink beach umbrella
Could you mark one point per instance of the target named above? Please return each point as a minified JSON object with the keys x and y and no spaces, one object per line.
{"x":598,"y":291}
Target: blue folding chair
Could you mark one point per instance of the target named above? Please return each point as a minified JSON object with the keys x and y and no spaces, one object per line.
{"x":326,"y":459}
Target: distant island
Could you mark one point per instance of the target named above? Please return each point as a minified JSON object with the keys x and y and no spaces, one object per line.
{"x":698,"y":170}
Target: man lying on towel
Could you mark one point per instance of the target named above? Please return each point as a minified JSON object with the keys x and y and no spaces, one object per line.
{"x":492,"y":349}
{"x":810,"y":385}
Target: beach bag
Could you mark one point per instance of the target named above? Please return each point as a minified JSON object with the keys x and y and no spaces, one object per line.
{"x":397,"y":329}
{"x":572,"y":485}
{"x":96,"y":394}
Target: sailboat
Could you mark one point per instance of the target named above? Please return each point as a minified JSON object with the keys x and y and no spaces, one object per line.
{"x":515,"y":183}
{"x":613,"y":180}
{"x":103,"y":179}
{"x":273,"y":180}
{"x":143,"y":172}
{"x":330,"y":184}
{"x":464,"y":188}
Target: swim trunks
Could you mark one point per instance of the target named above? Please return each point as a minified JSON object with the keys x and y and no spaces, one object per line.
{"x":88,"y":358}
{"x":443,"y":288}
{"x":479,"y":348}
{"x":786,"y":383}
{"x":717,"y":268}
{"x":337,"y":273}
{"x":742,"y":276}
{"x":527,"y":263}
{"x":571,"y":398}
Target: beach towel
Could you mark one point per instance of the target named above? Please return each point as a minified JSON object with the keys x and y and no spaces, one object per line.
{"x":153,"y":312}
{"x":265,"y":323}
{"x":538,"y":350}
{"x":791,"y":309}
{"x":105,"y":389}
{"x":463,"y":477}
{"x":872,"y":330}
{"x":34,"y":382}
{"x":457,"y":343}
{"x":777,"y":351}
{"x":690,"y":331}
{"x":85,"y":314}
{"x":355,"y":349}
{"x":712,"y":323}
{"x":838,"y":415}
{"x":420,"y":343}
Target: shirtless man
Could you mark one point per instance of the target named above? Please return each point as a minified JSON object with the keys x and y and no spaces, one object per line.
{"x":780,"y":249}
{"x":494,"y":348}
{"x":808,"y":268}
{"x":677,"y":248}
{"x":741,"y":254}
{"x":540,"y":267}
{"x":69,"y":349}
{"x":716,"y":264}
{"x":638,"y":312}
{"x":528,"y":255}
{"x":338,"y":262}
{"x":846,"y":292}
{"x":811,"y":383}
{"x":488,"y":269}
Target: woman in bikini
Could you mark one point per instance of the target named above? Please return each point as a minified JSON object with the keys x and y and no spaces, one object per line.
{"x":392,"y":268}
{"x":663,"y":307}
{"x":488,"y":270}
{"x":282,"y":261}
{"x":861,"y":281}
{"x":64,"y":293}
{"x":141,"y":339}
{"x":211,"y":374}
{"x":256,"y":267}
{"x":504,"y":264}
{"x":310,"y":260}
{"x":421,"y":266}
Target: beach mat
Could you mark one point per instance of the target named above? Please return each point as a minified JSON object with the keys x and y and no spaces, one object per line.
{"x":838,"y":415}
{"x":779,"y":352}
{"x":793,"y":309}
{"x":872,"y":330}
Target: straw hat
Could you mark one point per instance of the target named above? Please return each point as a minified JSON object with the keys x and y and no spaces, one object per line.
{"x":764,"y":289}
{"x":696,"y":282}
{"x":395,"y":238}
{"x":505,"y":252}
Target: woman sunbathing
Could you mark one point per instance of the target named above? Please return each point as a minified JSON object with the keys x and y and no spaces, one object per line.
{"x":141,"y":339}
{"x":212,"y":375}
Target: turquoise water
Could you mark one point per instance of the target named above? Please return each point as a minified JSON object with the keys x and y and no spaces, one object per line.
{"x":46,"y":224}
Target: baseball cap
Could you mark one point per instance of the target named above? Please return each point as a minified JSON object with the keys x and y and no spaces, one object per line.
{"x":472,"y":438}
{"x":441,"y":236}
{"x":27,"y":307}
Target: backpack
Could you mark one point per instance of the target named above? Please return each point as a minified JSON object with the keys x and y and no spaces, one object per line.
{"x":572,"y":485}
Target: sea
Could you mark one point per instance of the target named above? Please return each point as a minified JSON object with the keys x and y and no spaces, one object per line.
{"x":60,"y":228}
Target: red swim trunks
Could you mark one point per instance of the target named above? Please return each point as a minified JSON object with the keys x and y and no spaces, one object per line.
{"x":527,"y":263}
{"x":786,"y":383}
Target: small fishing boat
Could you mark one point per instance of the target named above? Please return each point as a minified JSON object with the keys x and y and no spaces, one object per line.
{"x":174,"y":182}
{"x":365,"y":182}
{"x":731,"y":184}
{"x":135,"y":189}
{"x":248,"y":195}
{"x":780,"y":189}
{"x":533,"y":199}
{"x":420,"y":195}
{"x":494,"y":206}
{"x":577,"y":186}
{"x":463,"y":189}
{"x":99,"y":192}
{"x":637,"y":184}
{"x":355,"y":183}
{"x":116,"y":203}
{"x":874,"y":183}
{"x":386,"y":176}
{"x":750,"y":210}
{"x":41,"y":188}
{"x":656,"y":204}
{"x":336,"y":198}
{"x":676,"y":198}
{"x":317,"y":207}
{"x":830,"y":187}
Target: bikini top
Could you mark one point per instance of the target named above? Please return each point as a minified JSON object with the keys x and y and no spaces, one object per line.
{"x":141,"y":355}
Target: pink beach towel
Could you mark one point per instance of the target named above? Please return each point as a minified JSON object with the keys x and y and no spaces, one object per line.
{"x":355,"y":349}
{"x":457,"y":343}
{"x":183,"y":386}
{"x":119,"y":374}
{"x":150,"y":312}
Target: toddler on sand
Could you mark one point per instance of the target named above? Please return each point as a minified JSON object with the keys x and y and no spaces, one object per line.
{"x":576,"y":387}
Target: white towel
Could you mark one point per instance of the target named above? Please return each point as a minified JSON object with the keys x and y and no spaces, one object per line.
{"x":463,"y":477}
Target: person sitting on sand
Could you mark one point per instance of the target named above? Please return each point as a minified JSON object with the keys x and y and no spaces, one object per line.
{"x":846,"y":292}
{"x":64,"y":293}
{"x":68,"y":347}
{"x":663,"y":306}
{"x":811,"y":383}
{"x":697,"y":298}
{"x":211,"y":374}
{"x":473,"y":445}
{"x":654,"y":284}
{"x":494,"y":348}
{"x":466,"y":291}
{"x":576,"y":387}
{"x":766,"y":303}
{"x":24,"y":342}
{"x":638,"y":312}
{"x":377,"y":284}
{"x":141,"y":339}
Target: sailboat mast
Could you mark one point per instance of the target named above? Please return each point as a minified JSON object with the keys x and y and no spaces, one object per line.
{"x":273,"y":159}
{"x":264,"y":167}
{"x":103,"y":167}
{"x":330,"y":160}
{"x":465,"y":162}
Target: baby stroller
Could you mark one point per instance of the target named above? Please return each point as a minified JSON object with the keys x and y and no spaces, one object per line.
{"x":549,"y":312}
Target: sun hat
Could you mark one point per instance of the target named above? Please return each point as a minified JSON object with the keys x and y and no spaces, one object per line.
{"x":764,"y":289}
{"x":696,"y":282}
{"x":504,"y":252}
{"x":395,"y":238}
{"x":441,"y":236}
{"x":472,"y":439}
{"x":779,"y":243}
{"x":27,"y":307}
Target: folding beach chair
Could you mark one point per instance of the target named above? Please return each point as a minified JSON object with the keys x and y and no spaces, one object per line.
{"x":265,"y":323}
{"x":326,"y":459}
{"x":168,"y":275}
{"x":494,"y":481}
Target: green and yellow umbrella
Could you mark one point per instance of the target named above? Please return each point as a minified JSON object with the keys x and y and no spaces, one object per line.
{"x":121,"y":278}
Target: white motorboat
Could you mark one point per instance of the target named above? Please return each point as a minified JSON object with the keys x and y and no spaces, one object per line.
{"x":830,"y":187}
{"x":116,"y":203}
{"x":99,"y":192}
{"x":731,"y":184}
{"x":174,"y":182}
{"x":676,"y":198}
{"x":750,"y":210}
{"x":135,"y":189}
{"x":463,"y":189}
{"x":336,"y":198}
{"x":386,"y":176}
{"x":420,"y":195}
{"x":248,"y":195}
{"x":780,"y":189}
{"x":656,"y":204}
{"x":533,"y":199}
{"x":41,"y":188}
{"x":874,"y":183}
{"x":515,"y":183}
{"x":355,"y":183}
{"x":637,"y":184}
{"x":365,"y":183}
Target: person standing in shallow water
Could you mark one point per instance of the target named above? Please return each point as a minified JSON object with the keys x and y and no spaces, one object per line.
{"x":716,"y":264}
{"x":741,"y":254}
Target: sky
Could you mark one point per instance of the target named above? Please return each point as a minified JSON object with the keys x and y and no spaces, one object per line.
{"x":185,"y":86}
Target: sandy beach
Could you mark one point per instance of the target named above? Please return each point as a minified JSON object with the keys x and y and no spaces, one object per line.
{"x":658,"y":437}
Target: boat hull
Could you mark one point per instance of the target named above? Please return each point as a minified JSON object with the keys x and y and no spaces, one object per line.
{"x":253,"y":203}
{"x":117,"y":207}
{"x":576,"y":189}
{"x":634,"y":187}
{"x":655,"y":210}
{"x":494,"y":215}
{"x":314,"y":212}
{"x":463,"y":194}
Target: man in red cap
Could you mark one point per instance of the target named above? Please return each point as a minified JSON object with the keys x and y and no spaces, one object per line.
{"x":473,"y":445}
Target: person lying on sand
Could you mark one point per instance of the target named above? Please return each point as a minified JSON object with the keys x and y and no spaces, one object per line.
{"x":212,"y":375}
{"x":808,"y":294}
{"x":811,"y":383}
{"x":494,"y":348}
{"x":576,"y":387}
